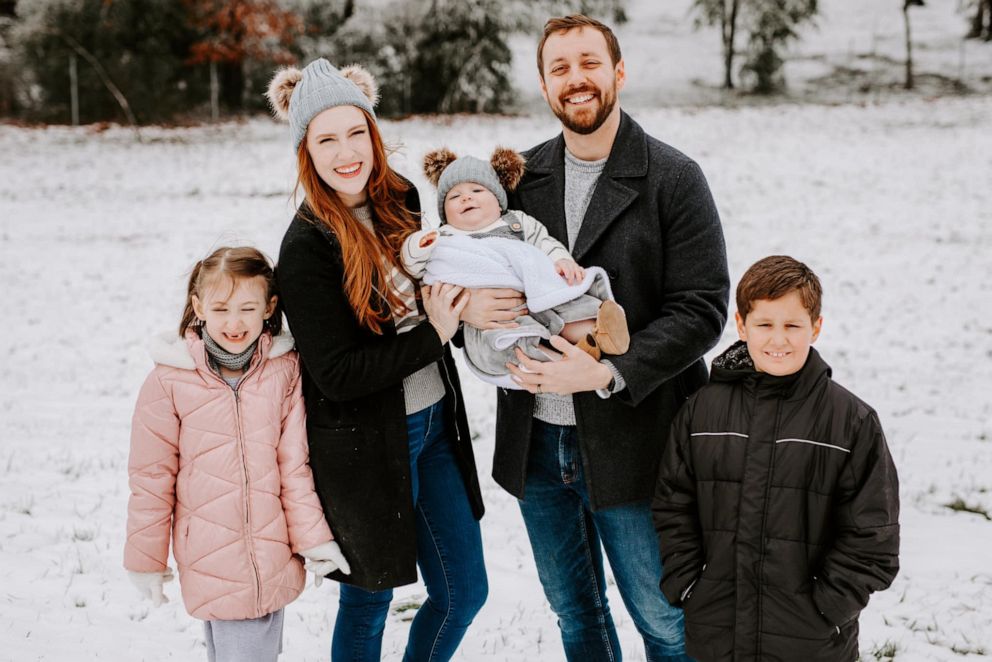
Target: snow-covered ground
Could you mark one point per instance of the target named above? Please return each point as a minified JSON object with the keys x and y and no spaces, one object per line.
{"x":889,"y":203}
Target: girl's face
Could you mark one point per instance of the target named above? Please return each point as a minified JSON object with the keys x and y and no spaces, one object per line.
{"x":234,"y":311}
{"x":340,"y":147}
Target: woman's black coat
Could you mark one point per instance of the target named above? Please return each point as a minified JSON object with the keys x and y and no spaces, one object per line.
{"x":356,"y":420}
{"x":777,"y":514}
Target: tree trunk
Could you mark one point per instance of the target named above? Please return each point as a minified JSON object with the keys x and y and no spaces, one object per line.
{"x":977,"y":21}
{"x":909,"y":49}
{"x":728,"y":45}
{"x":104,"y":78}
{"x":214,"y":92}
{"x":74,"y":89}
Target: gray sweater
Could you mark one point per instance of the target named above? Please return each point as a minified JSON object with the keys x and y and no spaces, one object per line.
{"x":425,"y":387}
{"x":580,"y":184}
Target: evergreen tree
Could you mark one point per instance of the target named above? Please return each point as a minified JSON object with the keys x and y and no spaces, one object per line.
{"x":768,"y":25}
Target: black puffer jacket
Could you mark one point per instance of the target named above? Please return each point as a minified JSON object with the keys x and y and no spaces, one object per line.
{"x":777,"y":512}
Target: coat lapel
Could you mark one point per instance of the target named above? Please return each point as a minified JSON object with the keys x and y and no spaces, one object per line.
{"x":542,"y":193}
{"x":628,"y":158}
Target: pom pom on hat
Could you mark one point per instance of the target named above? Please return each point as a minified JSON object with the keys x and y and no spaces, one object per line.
{"x":509,"y":167}
{"x":361,"y":77}
{"x":435,"y":162}
{"x":281,"y":90}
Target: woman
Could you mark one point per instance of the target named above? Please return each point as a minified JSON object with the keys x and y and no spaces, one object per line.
{"x":389,"y":441}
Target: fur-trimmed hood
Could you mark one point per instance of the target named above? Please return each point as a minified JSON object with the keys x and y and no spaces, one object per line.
{"x":168,"y":349}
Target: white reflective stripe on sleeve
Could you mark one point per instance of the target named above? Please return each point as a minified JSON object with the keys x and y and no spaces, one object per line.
{"x":815,"y":443}
{"x":718,"y":434}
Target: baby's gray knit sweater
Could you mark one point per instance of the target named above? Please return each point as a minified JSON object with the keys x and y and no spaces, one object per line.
{"x":425,"y":387}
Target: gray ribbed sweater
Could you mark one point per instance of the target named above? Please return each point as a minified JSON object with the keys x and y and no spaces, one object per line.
{"x":580,"y":183}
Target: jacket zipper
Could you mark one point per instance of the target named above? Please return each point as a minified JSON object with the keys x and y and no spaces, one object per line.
{"x":244,"y":466}
{"x":764,"y":520}
{"x":454,"y":398}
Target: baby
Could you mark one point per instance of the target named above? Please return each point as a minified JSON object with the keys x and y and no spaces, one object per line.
{"x":481,"y":243}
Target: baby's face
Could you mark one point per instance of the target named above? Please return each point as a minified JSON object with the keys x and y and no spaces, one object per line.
{"x":470,"y":207}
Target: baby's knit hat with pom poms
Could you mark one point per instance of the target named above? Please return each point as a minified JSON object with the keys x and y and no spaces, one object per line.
{"x":299,"y":96}
{"x":445,"y":171}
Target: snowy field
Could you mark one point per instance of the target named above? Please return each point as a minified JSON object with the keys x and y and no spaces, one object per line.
{"x":890,"y":204}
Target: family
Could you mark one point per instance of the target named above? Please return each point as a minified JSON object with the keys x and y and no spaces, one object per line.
{"x":747,"y":512}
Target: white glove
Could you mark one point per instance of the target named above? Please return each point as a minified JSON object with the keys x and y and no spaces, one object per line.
{"x":149,"y":584}
{"x":323,"y":560}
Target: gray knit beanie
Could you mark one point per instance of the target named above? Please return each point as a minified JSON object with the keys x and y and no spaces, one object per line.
{"x":469,"y":169}
{"x":299,"y":96}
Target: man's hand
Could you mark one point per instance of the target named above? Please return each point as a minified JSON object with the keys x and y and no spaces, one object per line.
{"x":574,"y":372}
{"x":493,"y":308}
{"x":570,"y":271}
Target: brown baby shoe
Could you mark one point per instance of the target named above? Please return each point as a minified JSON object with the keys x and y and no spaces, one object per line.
{"x":611,"y":335}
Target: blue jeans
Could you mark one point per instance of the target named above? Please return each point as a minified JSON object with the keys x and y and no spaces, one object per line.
{"x":449,"y":554}
{"x":568,"y":539}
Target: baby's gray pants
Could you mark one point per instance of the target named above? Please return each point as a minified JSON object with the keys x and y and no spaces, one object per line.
{"x":490,"y":350}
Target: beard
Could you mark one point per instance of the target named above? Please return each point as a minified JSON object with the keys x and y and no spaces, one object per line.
{"x":585,"y":121}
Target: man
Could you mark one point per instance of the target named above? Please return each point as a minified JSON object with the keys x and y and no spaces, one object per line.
{"x":582,"y":456}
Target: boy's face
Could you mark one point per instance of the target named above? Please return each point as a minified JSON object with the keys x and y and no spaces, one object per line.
{"x":469,"y":206}
{"x":778,"y":333}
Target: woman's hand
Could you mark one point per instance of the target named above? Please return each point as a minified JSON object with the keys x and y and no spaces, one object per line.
{"x":494,"y":308}
{"x":444,"y":306}
{"x":570,"y":271}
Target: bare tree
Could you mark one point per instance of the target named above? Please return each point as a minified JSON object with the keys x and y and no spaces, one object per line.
{"x":723,"y":13}
{"x":981,"y":20}
{"x":909,"y":41}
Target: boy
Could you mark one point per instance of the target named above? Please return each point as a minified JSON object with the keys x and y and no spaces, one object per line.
{"x":777,"y":501}
{"x":481,"y":243}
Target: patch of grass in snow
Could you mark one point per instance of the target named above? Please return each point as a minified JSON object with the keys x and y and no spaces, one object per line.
{"x":968,"y":650}
{"x":884,"y":651}
{"x":407,"y":610}
{"x":84,"y":534}
{"x":959,"y":505}
{"x":22,"y":505}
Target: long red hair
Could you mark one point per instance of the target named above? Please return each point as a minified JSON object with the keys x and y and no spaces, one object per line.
{"x":368,"y":258}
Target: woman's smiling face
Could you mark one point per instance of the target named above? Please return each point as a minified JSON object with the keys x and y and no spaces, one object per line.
{"x":340,"y":147}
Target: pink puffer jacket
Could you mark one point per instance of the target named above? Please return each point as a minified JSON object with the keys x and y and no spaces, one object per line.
{"x":228,"y":470}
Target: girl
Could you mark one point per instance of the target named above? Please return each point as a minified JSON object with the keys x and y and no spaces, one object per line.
{"x":389,"y":440}
{"x":218,"y":448}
